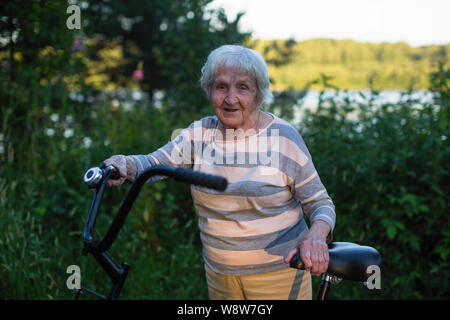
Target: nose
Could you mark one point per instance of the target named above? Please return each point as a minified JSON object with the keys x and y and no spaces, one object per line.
{"x":231,"y":97}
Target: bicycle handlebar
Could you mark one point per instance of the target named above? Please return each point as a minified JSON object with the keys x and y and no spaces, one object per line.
{"x":199,"y":179}
{"x":96,"y":178}
{"x":179,"y":174}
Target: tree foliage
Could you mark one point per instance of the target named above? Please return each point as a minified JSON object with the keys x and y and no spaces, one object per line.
{"x":35,"y":56}
{"x":354,"y":64}
{"x":170,"y":39}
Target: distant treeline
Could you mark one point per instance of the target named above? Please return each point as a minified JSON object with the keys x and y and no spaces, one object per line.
{"x":355,"y":65}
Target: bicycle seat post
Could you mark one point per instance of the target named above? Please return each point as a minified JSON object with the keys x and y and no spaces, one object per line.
{"x":324,"y":287}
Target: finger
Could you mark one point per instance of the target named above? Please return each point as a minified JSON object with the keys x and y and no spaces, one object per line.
{"x":116,"y":162}
{"x":118,"y":167}
{"x":324,"y":260}
{"x":120,"y":170}
{"x":110,"y":183}
{"x":305,"y":255}
{"x":108,"y":162}
{"x":115,"y":183}
{"x":324,"y":256}
{"x":323,"y":265}
{"x":290,"y":256}
{"x":327,"y":259}
{"x":315,"y":261}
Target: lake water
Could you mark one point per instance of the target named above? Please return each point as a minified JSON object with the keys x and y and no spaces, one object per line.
{"x":311,"y":100}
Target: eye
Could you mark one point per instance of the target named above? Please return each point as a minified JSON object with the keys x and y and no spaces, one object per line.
{"x":243,"y":87}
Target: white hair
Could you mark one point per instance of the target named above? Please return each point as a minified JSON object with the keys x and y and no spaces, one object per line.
{"x":242,"y":59}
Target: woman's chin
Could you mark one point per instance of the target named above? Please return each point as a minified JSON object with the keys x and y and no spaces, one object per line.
{"x":230,"y":123}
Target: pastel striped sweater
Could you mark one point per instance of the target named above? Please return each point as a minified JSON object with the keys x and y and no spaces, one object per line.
{"x":252,"y":226}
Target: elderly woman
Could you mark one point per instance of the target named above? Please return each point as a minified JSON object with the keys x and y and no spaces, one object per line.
{"x":250,"y":231}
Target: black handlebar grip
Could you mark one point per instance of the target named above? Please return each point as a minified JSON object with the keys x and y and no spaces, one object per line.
{"x":296,"y":262}
{"x":200,"y":179}
{"x":114,"y":174}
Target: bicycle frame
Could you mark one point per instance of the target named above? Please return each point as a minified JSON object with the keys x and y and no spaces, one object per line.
{"x":118,"y":273}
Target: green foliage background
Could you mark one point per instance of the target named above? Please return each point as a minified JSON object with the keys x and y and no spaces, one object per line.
{"x":385,"y":166}
{"x":353,"y":65}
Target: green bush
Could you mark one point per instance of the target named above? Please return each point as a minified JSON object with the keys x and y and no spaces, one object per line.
{"x":44,"y":214}
{"x":387,"y":169}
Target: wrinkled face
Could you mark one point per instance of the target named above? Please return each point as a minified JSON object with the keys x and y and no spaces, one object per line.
{"x":234,"y":98}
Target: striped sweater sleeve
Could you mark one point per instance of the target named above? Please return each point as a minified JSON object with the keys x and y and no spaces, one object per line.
{"x":176,"y":153}
{"x":309,"y":190}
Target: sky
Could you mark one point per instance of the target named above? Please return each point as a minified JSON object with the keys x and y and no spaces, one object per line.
{"x":416,"y":22}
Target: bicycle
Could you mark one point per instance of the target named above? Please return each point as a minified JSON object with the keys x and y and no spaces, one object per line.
{"x":348,"y":260}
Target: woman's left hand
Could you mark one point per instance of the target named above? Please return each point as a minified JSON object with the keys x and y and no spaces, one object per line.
{"x":314,"y":249}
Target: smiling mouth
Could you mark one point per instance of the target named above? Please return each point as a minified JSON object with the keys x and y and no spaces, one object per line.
{"x":230,"y":110}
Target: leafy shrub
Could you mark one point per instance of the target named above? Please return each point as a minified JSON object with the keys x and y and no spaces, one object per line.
{"x":386,"y":168}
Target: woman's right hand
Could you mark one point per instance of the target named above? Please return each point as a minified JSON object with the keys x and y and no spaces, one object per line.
{"x":120,"y":163}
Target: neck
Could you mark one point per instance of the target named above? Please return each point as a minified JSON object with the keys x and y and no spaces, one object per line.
{"x":258,"y":123}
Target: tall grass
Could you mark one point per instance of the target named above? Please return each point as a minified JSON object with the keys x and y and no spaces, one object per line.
{"x":34,"y":255}
{"x":43,"y":213}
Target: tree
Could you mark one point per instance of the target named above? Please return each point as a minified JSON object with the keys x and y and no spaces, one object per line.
{"x":172,"y":40}
{"x":35,"y":55}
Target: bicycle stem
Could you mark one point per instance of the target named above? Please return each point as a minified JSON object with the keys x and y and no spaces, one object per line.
{"x":93,"y":211}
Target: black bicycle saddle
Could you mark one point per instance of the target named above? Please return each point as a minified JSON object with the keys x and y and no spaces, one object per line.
{"x":347,"y":261}
{"x":350,"y":260}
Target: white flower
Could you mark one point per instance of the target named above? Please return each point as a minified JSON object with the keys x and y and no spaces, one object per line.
{"x":68,"y":133}
{"x":87,"y":142}
{"x":54,"y":117}
{"x":50,"y":132}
